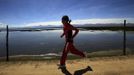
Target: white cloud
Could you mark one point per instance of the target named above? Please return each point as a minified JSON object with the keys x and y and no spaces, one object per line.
{"x":2,"y":25}
{"x":55,"y":23}
{"x":84,"y":21}
{"x":95,"y":21}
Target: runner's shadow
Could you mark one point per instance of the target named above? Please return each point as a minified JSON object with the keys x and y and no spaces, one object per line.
{"x":65,"y":71}
{"x":77,"y":72}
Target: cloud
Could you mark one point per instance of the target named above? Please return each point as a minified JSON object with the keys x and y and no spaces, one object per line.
{"x":110,"y":20}
{"x":84,"y":21}
{"x":2,"y":24}
{"x":55,"y":23}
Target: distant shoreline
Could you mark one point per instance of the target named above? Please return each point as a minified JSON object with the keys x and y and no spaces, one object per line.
{"x":56,"y":56}
{"x":111,"y":28}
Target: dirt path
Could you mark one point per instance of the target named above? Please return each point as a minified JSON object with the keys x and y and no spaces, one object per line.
{"x":102,"y":66}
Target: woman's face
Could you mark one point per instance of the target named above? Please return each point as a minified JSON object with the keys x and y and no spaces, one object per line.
{"x":64,"y":22}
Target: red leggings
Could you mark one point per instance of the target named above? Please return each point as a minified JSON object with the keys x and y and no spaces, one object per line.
{"x":69,"y":47}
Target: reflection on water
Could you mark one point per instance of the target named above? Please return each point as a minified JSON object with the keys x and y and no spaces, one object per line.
{"x":41,"y":42}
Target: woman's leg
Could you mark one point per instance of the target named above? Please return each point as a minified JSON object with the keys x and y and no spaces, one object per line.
{"x":64,"y":54}
{"x":73,"y":50}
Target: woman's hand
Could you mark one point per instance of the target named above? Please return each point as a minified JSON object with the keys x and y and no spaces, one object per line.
{"x":61,"y":36}
{"x":63,"y":33}
{"x":76,"y":32}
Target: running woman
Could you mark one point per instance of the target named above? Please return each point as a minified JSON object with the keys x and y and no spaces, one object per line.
{"x":69,"y":36}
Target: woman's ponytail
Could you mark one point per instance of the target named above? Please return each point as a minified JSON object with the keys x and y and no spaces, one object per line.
{"x":69,"y":21}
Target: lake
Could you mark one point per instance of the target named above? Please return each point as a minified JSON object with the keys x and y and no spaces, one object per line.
{"x":42,"y":42}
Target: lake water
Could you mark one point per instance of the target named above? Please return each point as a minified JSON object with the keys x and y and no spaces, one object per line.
{"x":42,"y":42}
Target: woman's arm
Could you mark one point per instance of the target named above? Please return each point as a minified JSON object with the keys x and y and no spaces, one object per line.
{"x":63,"y":34}
{"x":76,"y":31}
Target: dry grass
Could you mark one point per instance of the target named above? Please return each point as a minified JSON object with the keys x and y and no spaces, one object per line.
{"x":116,"y":65}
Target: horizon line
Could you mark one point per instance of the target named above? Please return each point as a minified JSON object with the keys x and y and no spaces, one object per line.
{"x":79,"y":21}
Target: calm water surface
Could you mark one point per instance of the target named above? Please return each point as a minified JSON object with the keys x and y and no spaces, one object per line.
{"x":41,"y":42}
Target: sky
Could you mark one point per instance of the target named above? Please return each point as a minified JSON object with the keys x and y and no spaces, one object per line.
{"x":44,"y":12}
